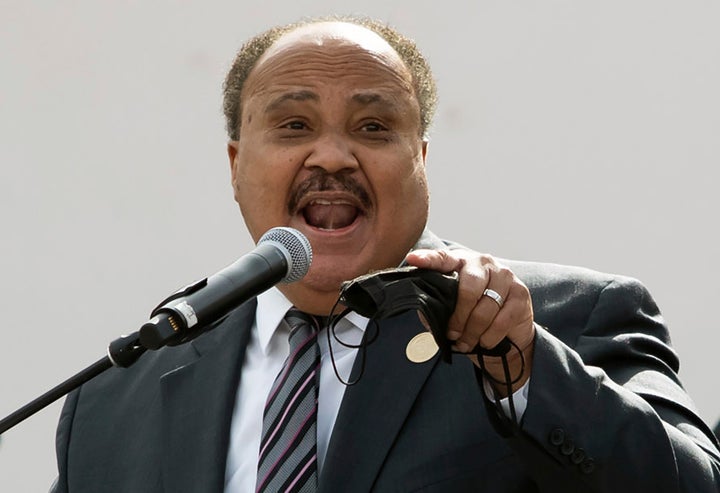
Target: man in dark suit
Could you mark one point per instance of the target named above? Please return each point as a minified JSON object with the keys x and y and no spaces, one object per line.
{"x":327,"y":124}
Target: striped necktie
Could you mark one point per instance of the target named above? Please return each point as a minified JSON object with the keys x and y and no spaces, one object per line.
{"x":288,"y":447}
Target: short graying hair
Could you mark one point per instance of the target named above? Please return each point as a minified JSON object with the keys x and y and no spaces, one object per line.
{"x":252,"y":50}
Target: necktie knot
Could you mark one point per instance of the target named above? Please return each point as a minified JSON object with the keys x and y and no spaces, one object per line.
{"x":303,"y":326}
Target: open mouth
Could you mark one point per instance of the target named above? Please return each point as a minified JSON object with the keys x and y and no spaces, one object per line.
{"x":330,"y":202}
{"x":328,"y":214}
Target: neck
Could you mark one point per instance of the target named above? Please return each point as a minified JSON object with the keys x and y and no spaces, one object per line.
{"x":308,"y":300}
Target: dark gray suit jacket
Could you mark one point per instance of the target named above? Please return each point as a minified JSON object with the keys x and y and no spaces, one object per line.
{"x":606,"y":411}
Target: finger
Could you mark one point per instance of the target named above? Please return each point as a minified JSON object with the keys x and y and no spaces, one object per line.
{"x":513,"y":324}
{"x":472,"y":280}
{"x":498,"y":328}
{"x":479,"y":321}
{"x":423,"y":320}
{"x":514,"y":321}
{"x":486,"y":308}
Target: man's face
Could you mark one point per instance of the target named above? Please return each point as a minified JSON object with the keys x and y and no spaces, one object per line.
{"x":330,"y":145}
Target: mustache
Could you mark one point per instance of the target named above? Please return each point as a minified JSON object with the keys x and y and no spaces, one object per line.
{"x":321,"y":181}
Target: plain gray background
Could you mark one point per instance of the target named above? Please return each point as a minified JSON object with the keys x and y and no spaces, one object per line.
{"x":568,"y":131}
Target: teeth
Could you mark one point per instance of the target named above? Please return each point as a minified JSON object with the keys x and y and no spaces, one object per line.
{"x":329,"y":202}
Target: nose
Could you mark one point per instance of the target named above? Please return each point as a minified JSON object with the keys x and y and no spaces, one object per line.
{"x":332,"y":152}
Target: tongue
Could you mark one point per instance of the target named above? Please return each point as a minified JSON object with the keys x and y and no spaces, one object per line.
{"x":330,"y":216}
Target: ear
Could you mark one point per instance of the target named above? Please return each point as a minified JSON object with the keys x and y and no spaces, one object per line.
{"x":425,"y":143}
{"x":232,"y":150}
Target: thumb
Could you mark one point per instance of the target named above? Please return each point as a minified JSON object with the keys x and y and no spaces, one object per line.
{"x":440,"y":260}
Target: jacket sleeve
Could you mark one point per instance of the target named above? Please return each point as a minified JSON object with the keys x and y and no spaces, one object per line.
{"x":606,"y":411}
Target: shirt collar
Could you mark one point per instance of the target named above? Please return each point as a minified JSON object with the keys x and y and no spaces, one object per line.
{"x":272,"y":306}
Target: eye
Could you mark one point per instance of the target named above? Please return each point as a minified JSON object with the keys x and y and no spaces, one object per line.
{"x":372,"y":127}
{"x":295,"y":125}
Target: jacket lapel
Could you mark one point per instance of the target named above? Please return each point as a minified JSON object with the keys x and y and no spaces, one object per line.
{"x":373,"y":410}
{"x":197,"y":404}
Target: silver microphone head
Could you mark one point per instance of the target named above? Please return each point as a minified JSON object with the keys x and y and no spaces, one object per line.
{"x":296,"y":248}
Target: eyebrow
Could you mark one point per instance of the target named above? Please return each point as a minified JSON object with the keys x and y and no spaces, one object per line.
{"x":368,"y":98}
{"x":363,"y":98}
{"x":292,"y":96}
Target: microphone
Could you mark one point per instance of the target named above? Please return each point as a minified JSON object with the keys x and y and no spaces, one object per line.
{"x":281,"y":255}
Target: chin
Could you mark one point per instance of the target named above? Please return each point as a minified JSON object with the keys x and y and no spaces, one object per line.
{"x":316,"y":294}
{"x":329,"y":278}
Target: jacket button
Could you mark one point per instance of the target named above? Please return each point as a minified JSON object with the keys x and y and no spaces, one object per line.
{"x":567,"y":447}
{"x":577,"y":456}
{"x":587,"y":466}
{"x":557,"y":436}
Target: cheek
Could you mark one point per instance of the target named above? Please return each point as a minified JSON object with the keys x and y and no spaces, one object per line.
{"x":405,"y":187}
{"x":261,"y":183}
{"x":254,"y":171}
{"x":414,"y":204}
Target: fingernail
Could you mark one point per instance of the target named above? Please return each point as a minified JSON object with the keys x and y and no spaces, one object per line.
{"x":453,"y":335}
{"x":462,"y":347}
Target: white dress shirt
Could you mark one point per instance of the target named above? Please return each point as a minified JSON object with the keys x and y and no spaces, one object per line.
{"x":265,"y":355}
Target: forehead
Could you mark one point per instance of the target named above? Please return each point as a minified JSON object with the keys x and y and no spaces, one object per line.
{"x":333,"y":54}
{"x":329,"y":33}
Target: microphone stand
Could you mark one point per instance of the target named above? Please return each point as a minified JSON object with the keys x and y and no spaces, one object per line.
{"x":164,"y":329}
{"x":281,"y":254}
{"x":122,"y":352}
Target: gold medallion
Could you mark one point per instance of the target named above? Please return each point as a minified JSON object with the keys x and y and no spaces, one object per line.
{"x":421,"y":348}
